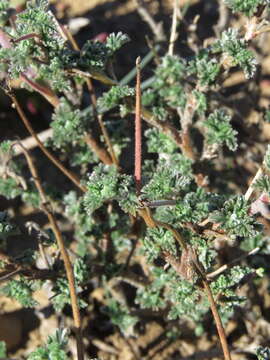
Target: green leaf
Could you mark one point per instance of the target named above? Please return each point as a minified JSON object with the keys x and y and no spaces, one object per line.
{"x":205,"y":68}
{"x":54,"y":349}
{"x":263,"y":184}
{"x":247,"y":7}
{"x":158,"y":240}
{"x":119,"y":315}
{"x":263,"y":353}
{"x":68,"y":124}
{"x":20,"y":290}
{"x":115,"y":41}
{"x":3,"y":350}
{"x":236,"y":48}
{"x":4,"y":13}
{"x":114,"y":97}
{"x":220,"y":131}
{"x":235,"y":219}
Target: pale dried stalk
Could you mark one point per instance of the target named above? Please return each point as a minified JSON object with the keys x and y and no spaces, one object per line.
{"x":250,"y":189}
{"x":174,"y":34}
{"x":157,"y":28}
{"x":46,"y":207}
{"x":227,"y":266}
{"x":30,"y":142}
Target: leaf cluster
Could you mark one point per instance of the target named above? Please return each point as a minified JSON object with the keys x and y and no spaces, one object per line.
{"x":247,"y":7}
{"x":55,"y":348}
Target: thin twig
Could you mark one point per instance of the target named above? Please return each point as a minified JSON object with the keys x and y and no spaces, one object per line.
{"x":94,"y":74}
{"x":157,"y":203}
{"x":175,"y":233}
{"x":70,"y":37}
{"x":108,"y":140}
{"x":94,"y":145}
{"x":46,"y":207}
{"x":51,"y":157}
{"x":45,"y":91}
{"x":164,"y":126}
{"x":250,"y":189}
{"x":174,"y":34}
{"x":146,"y":214}
{"x":30,"y":142}
{"x":138,"y":131}
{"x":145,"y":60}
{"x":219,"y":325}
{"x":9,"y":275}
{"x":227,"y":266}
{"x":157,"y":28}
{"x":97,"y":117}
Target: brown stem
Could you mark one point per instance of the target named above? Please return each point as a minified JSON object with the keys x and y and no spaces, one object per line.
{"x":52,"y":158}
{"x":108,"y":141}
{"x":45,"y":91}
{"x":99,"y":119}
{"x":138,"y":130}
{"x":26,"y":37}
{"x":175,"y":233}
{"x":30,"y":142}
{"x":163,"y":126}
{"x":146,"y":215}
{"x":230,"y":264}
{"x":70,"y":37}
{"x":219,"y":326}
{"x":6,"y":43}
{"x":46,"y":207}
{"x":93,"y":99}
{"x":101,"y":153}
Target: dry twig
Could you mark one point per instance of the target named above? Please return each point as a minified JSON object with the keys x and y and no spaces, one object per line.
{"x":157,"y":28}
{"x":174,"y":35}
{"x":146,"y":214}
{"x":30,"y":142}
{"x":46,"y":207}
{"x":250,"y":189}
{"x":227,"y":266}
{"x":101,"y":153}
{"x":50,"y":156}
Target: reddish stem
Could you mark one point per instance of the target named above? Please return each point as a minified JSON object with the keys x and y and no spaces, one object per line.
{"x":138,"y":130}
{"x":27,"y":37}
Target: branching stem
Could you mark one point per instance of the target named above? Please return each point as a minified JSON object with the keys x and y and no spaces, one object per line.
{"x":145,"y":213}
{"x":227,"y":266}
{"x":50,"y":156}
{"x":46,"y":207}
{"x":97,"y":117}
